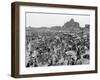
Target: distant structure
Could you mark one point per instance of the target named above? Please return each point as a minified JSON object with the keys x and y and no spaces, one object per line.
{"x":69,"y":26}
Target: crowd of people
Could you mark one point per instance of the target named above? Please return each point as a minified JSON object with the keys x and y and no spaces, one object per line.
{"x":57,"y":48}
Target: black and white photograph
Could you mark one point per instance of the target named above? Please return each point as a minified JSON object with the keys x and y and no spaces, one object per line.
{"x":54,"y":39}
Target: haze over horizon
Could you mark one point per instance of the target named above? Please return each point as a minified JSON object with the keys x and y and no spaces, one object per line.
{"x":38,"y":20}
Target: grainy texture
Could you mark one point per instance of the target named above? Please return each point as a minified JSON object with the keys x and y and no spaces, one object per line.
{"x":15,"y":39}
{"x":68,"y":44}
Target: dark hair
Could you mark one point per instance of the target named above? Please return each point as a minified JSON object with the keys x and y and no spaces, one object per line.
{"x":86,"y":56}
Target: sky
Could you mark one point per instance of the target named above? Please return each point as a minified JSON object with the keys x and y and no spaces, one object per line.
{"x":47,"y":20}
